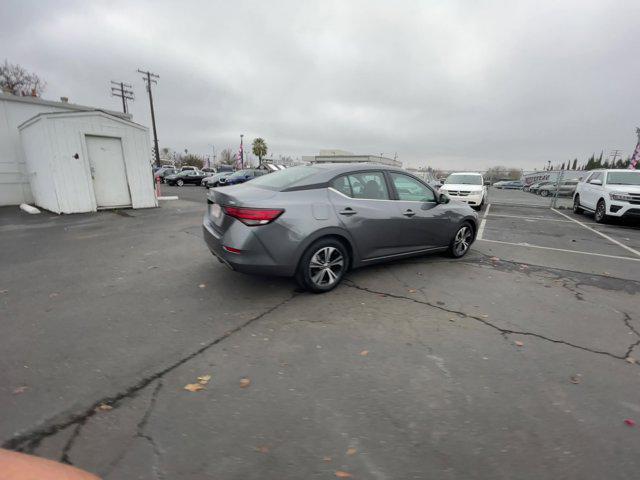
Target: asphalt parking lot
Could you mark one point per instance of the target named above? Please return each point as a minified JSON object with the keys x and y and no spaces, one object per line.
{"x":517,"y":361}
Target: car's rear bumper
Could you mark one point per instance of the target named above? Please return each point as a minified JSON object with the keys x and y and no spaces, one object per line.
{"x":253,"y":257}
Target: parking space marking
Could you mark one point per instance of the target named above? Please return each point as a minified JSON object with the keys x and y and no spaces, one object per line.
{"x":603,"y":235}
{"x":529,"y":218}
{"x":483,"y":222}
{"x":528,"y":245}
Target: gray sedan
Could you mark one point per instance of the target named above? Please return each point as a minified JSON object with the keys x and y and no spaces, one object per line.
{"x":316,"y":222}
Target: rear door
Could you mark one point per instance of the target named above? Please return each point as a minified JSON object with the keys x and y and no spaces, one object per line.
{"x":363,"y":205}
{"x":420,"y":222}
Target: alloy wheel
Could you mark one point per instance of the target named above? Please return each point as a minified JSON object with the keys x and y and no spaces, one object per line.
{"x":326,"y":266}
{"x":600,"y":211}
{"x":462,"y":241}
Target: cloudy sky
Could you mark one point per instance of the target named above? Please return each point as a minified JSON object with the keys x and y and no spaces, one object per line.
{"x":449,"y":84}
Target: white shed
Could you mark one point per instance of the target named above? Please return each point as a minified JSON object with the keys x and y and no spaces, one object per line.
{"x":87,"y":161}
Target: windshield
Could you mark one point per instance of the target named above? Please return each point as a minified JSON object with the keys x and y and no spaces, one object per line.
{"x":623,"y":178}
{"x":463,"y":179}
{"x":285,"y":178}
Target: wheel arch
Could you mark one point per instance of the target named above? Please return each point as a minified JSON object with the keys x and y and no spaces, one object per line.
{"x":341,"y":235}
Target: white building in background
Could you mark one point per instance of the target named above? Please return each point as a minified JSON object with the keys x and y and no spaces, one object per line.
{"x":342,"y":156}
{"x":15,"y":181}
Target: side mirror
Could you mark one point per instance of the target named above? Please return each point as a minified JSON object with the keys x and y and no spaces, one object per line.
{"x":443,"y":198}
{"x":596,"y":181}
{"x":487,"y":184}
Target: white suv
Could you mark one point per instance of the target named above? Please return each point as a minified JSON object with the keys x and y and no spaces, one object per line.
{"x":614,"y":193}
{"x":467,"y":187}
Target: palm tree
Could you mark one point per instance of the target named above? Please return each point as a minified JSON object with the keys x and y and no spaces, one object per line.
{"x":259,"y":148}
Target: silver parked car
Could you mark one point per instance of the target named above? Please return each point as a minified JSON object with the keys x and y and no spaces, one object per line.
{"x":316,"y":222}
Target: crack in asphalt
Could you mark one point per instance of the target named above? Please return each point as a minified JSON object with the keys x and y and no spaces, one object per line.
{"x":66,"y":450}
{"x":28,"y":441}
{"x":157,"y":452}
{"x":503,"y":331}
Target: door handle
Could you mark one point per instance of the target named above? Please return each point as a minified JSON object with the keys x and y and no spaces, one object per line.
{"x":408,"y":213}
{"x":348,"y":211}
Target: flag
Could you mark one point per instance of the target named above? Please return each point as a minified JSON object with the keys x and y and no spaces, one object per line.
{"x":239,"y":161}
{"x":635,"y":157}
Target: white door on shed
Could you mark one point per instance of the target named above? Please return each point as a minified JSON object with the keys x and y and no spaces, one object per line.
{"x":108,"y":172}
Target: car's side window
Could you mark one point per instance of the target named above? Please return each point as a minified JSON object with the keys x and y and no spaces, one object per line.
{"x":409,"y":189}
{"x":342,"y":185}
{"x":596,"y":176}
{"x":368,"y":185}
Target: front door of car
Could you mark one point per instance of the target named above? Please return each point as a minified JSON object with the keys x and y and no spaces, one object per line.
{"x":419,"y":220}
{"x":362,"y":204}
{"x":591,"y":190}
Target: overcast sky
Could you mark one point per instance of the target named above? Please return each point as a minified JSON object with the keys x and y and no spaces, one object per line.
{"x":449,"y":84}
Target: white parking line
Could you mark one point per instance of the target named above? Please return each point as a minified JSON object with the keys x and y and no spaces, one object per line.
{"x":603,"y":235}
{"x":527,"y":245}
{"x":483,"y":222}
{"x":529,"y":218}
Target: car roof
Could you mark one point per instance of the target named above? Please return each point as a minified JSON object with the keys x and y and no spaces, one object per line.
{"x":473,"y":173}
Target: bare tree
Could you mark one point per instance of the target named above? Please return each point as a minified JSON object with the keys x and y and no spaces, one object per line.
{"x":16,"y":80}
{"x":227,"y":158}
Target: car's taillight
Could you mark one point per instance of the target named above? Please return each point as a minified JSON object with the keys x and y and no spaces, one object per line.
{"x":253,"y":216}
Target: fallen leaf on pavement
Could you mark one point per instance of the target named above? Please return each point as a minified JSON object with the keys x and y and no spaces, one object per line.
{"x":245,"y":382}
{"x":519,"y":343}
{"x":364,"y":353}
{"x":484,"y":315}
{"x":263,"y":449}
{"x":103,"y":407}
{"x":351,"y":451}
{"x":4,"y":291}
{"x":575,"y":379}
{"x":202,"y":285}
{"x":341,"y":474}
{"x":204,"y":379}
{"x":630,"y":360}
{"x":412,"y":290}
{"x":53,"y":295}
{"x":152,"y":267}
{"x":495,"y":259}
{"x":193,"y":387}
{"x":629,"y":422}
{"x":326,"y":459}
{"x":19,"y":390}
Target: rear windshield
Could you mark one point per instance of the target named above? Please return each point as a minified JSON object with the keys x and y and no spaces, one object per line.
{"x":457,"y":178}
{"x":285,"y":178}
{"x":623,"y":178}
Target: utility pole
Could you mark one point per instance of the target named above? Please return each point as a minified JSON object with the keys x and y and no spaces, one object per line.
{"x":150,"y":78}
{"x":124,"y":91}
{"x":615,"y":154}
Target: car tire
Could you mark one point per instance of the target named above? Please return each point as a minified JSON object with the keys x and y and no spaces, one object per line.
{"x":315,"y":273}
{"x":180,"y":182}
{"x":463,"y":236}
{"x":600,"y":215}
{"x":544,"y":193}
{"x":576,"y":205}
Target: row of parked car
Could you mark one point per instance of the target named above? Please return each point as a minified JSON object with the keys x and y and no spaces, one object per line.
{"x":225,"y":175}
{"x":549,"y":188}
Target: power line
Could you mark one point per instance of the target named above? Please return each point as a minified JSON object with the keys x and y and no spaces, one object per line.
{"x":615,"y":154}
{"x":124,"y":91}
{"x":150,"y":78}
